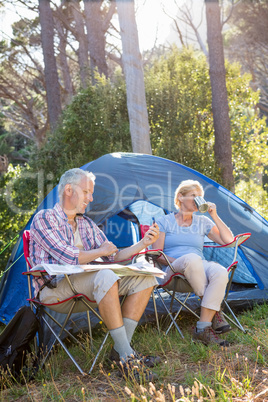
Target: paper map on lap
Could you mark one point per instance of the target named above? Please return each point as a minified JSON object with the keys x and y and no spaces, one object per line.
{"x":138,"y":268}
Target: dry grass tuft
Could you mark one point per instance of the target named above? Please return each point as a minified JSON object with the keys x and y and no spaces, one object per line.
{"x":188,"y":372}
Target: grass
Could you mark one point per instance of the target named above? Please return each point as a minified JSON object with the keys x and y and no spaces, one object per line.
{"x":188,"y":371}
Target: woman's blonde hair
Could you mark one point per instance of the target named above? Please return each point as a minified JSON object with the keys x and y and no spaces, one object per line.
{"x":184,"y":187}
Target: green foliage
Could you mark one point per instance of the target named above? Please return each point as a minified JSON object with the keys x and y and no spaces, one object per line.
{"x":246,"y":42}
{"x":95,"y":123}
{"x":249,"y":133}
{"x":6,"y":149}
{"x":22,"y":89}
{"x":13,"y":146}
{"x":18,"y":198}
{"x":179,"y":103}
{"x":254,"y":195}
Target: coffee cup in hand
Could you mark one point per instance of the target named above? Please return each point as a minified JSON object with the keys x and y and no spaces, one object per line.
{"x":201,"y":204}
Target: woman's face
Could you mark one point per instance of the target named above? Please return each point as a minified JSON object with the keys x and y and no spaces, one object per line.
{"x":187,"y":200}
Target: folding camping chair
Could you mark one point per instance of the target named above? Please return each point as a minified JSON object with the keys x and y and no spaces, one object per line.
{"x":210,"y":252}
{"x":78,"y":302}
{"x":178,"y":283}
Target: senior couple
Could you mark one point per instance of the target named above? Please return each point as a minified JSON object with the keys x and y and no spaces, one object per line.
{"x":64,"y":235}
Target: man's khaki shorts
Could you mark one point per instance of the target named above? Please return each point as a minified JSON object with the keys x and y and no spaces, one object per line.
{"x":94,"y":285}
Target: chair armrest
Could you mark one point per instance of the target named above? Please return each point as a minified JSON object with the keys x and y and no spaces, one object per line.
{"x":238,"y":239}
{"x":154,"y":254}
{"x":232,"y":266}
{"x":149,"y":253}
{"x":36,"y":272}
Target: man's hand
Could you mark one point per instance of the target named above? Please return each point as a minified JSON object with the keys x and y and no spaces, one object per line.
{"x":107,"y":248}
{"x":151,"y":235}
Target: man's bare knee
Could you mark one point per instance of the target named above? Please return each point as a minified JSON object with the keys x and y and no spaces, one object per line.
{"x":112,"y":292}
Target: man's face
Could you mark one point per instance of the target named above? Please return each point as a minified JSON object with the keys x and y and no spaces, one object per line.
{"x":81,"y":195}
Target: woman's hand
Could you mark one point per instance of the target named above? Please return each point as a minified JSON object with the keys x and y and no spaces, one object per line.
{"x":212,"y":209}
{"x":220,"y":233}
{"x":151,"y":235}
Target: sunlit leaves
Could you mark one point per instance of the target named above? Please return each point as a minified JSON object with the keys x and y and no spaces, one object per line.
{"x":16,"y":205}
{"x":178,"y":87}
{"x":181,"y":120}
{"x":95,"y":123}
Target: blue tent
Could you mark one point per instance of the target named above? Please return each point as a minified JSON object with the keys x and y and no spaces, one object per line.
{"x":131,"y":188}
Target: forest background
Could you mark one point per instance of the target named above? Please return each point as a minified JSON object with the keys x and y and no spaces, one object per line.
{"x":74,"y":86}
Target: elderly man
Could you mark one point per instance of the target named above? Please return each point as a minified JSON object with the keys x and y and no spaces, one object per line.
{"x":64,"y":235}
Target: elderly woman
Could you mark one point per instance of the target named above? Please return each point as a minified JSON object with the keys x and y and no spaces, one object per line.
{"x":182,"y":239}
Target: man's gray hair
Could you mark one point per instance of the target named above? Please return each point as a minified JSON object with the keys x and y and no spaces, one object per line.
{"x":73,"y":176}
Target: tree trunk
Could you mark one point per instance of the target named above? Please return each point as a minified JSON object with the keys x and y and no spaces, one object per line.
{"x":220,"y":108}
{"x":133,"y":71}
{"x":83,"y":57}
{"x":96,"y":36}
{"x":63,"y":63}
{"x":51,"y":74}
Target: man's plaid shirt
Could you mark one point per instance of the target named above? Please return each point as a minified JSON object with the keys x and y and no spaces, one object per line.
{"x":52,"y":239}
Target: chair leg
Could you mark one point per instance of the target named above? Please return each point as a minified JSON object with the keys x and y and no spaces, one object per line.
{"x":90,"y":330}
{"x":235,"y":322}
{"x":175,"y":318}
{"x":104,"y":340}
{"x":156,"y":313}
{"x":63,"y":346}
{"x":169,"y":314}
{"x":182,"y":304}
{"x":99,"y":351}
{"x":64,"y":329}
{"x":66,"y":320}
{"x":57,"y":336}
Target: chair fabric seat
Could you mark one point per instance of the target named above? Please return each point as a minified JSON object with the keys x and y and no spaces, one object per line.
{"x":64,"y":306}
{"x":178,"y":283}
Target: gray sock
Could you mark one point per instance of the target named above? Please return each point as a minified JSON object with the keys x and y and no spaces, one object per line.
{"x":121,"y":343}
{"x":130,"y":326}
{"x":201,"y":325}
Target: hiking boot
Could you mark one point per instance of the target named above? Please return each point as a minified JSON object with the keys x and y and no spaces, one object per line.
{"x":208,"y":337}
{"x":147,"y":360}
{"x":134,"y":369}
{"x":219,"y":323}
